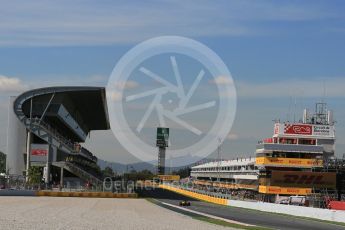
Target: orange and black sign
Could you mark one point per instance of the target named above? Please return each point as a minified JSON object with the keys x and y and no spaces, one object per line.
{"x":303,"y":179}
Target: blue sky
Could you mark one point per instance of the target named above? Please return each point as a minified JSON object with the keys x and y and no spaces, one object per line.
{"x":275,"y":51}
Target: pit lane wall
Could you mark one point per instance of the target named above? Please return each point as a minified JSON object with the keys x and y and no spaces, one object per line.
{"x":317,"y":213}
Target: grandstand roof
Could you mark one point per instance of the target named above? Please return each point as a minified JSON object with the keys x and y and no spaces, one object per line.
{"x":85,"y":105}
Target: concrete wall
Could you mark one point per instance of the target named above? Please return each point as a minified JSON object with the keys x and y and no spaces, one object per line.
{"x":16,"y":142}
{"x":317,"y":213}
{"x":17,"y":193}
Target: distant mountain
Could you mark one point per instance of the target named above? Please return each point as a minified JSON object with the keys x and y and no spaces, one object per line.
{"x":139,"y":166}
{"x":122,"y":168}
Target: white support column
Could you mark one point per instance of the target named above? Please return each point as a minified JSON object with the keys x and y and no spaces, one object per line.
{"x":61,"y":178}
{"x":48,"y":164}
{"x":28,"y":153}
{"x":16,"y":146}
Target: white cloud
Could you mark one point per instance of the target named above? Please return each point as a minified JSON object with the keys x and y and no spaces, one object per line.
{"x":115,"y":96}
{"x":11,"y":85}
{"x":126,"y":85}
{"x":222,"y":80}
{"x":56,"y":23}
{"x":334,"y":87}
{"x":67,"y":80}
{"x":232,"y":136}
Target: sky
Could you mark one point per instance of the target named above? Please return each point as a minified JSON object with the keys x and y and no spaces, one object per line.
{"x":278,"y":52}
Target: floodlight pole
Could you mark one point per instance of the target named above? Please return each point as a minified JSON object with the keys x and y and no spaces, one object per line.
{"x":161,"y":161}
{"x":28,"y":146}
{"x":162,"y":142}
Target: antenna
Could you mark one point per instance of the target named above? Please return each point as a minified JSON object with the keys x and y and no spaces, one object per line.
{"x":289,"y":112}
{"x":324,"y":91}
{"x":294,"y":112}
{"x":219,"y":157}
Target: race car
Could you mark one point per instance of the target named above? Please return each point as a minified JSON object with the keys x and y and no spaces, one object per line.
{"x":184,"y":203}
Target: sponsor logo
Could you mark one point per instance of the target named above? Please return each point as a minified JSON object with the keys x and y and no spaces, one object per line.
{"x":303,"y":179}
{"x":298,"y":129}
{"x":284,"y":190}
{"x":321,"y":130}
{"x":39,"y":152}
{"x":288,"y":161}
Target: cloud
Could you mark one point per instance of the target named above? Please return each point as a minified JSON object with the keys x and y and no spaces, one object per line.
{"x":11,"y":85}
{"x":48,"y":80}
{"x":115,"y":96}
{"x":334,"y":87}
{"x":222,"y":80}
{"x":61,"y":23}
{"x":232,"y":136}
{"x":126,"y":85}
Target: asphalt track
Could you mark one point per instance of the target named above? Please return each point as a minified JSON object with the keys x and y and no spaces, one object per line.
{"x":263,"y":219}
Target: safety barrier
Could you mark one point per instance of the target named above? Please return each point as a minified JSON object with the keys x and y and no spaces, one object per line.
{"x":316,"y":213}
{"x":195,"y":195}
{"x":87,"y":194}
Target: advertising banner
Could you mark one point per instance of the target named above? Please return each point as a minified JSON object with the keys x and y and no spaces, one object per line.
{"x":284,"y":190}
{"x":39,"y":152}
{"x":277,"y":161}
{"x":303,"y":179}
{"x":298,"y":129}
{"x":169,"y":177}
{"x":323,"y":130}
{"x":304,"y":130}
{"x":162,"y":137}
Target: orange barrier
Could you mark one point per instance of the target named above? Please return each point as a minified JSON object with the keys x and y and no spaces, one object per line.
{"x":337,"y":205}
{"x":195,"y":195}
{"x":87,"y":194}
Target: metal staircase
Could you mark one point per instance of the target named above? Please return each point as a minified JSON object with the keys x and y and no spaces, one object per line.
{"x":77,"y":171}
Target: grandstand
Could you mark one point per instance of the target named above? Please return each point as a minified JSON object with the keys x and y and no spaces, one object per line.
{"x":56,"y":121}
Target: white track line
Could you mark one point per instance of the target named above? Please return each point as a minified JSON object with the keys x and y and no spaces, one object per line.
{"x":206,"y":215}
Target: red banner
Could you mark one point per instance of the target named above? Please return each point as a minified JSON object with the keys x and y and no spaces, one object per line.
{"x":298,"y":129}
{"x":39,"y":152}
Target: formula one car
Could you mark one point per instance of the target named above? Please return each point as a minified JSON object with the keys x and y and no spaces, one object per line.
{"x":184,"y":203}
